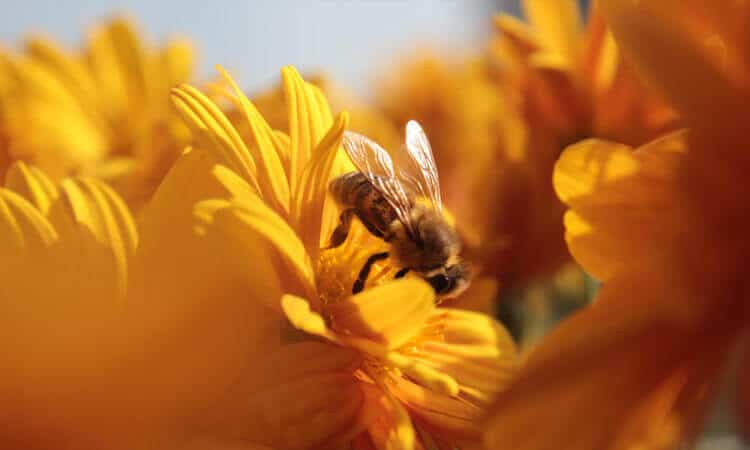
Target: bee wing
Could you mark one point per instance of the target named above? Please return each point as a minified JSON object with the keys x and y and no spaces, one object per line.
{"x":417,"y":166}
{"x":374,"y":162}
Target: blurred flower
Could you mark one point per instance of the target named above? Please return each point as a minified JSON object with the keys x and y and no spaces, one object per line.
{"x":102,"y":111}
{"x":63,"y":274}
{"x":664,"y":228}
{"x":568,"y":83}
{"x":299,"y":362}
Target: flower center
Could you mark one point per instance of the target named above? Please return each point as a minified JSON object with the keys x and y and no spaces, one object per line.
{"x":337,"y":269}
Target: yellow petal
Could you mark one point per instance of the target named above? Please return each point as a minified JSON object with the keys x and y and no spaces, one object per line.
{"x":298,"y":311}
{"x":309,"y":120}
{"x":219,"y":137}
{"x":390,"y":314}
{"x":194,"y":294}
{"x":32,"y":184}
{"x":272,"y":176}
{"x":558,"y":25}
{"x":392,"y":428}
{"x":623,"y":397}
{"x":518,"y":40}
{"x":23,"y":229}
{"x":670,"y":50}
{"x":245,"y":219}
{"x":623,"y":211}
{"x":584,"y":168}
{"x":94,"y":222}
{"x":475,"y":350}
{"x":310,"y":199}
{"x":294,"y":396}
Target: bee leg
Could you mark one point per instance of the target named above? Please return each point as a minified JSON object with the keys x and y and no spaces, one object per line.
{"x":401,"y":273}
{"x":359,"y":284}
{"x":342,"y":230}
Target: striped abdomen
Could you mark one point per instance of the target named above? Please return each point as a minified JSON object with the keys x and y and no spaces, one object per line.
{"x":353,"y":191}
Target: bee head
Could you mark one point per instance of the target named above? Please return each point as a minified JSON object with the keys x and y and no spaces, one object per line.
{"x":450,"y":281}
{"x":430,"y":243}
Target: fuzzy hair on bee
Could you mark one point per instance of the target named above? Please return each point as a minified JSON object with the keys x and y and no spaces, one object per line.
{"x":382,"y":195}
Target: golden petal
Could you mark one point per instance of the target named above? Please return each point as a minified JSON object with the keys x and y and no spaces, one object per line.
{"x":623,"y":208}
{"x":670,"y":50}
{"x":312,"y":191}
{"x":32,"y":184}
{"x":92,"y":220}
{"x":218,"y":135}
{"x":309,"y":120}
{"x":22,"y":227}
{"x":623,"y":397}
{"x":293,"y":396}
{"x":272,"y":176}
{"x":475,"y":350}
{"x":245,"y":219}
{"x":558,"y":26}
{"x":390,"y":314}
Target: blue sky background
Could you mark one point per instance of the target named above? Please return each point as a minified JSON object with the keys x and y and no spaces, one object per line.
{"x":352,"y":40}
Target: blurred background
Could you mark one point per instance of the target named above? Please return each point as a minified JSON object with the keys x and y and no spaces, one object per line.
{"x":350,"y":39}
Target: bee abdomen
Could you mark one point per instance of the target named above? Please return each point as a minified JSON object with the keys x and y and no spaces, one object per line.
{"x":351,"y":189}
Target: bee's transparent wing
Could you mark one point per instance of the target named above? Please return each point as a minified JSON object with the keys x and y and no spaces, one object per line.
{"x":416,"y":165}
{"x":375,"y":163}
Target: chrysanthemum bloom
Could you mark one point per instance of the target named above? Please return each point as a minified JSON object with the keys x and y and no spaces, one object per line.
{"x":102,"y":111}
{"x":665,"y":228}
{"x":63,"y":272}
{"x":569,"y":82}
{"x":288,"y":357}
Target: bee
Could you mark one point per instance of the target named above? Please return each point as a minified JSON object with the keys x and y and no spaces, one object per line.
{"x":382,"y":195}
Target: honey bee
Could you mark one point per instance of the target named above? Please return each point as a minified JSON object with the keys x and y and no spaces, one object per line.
{"x":382,"y":195}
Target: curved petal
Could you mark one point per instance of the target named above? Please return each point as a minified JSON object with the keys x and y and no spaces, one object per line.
{"x":94,"y":224}
{"x":392,"y":428}
{"x":390,"y":314}
{"x":293,"y":396}
{"x":670,"y":44}
{"x":558,"y":26}
{"x":267,"y":153}
{"x":245,"y":219}
{"x":192,"y":294}
{"x":623,"y":397}
{"x":215,"y":133}
{"x":623,"y":211}
{"x":312,"y":192}
{"x":309,"y":120}
{"x":477,"y":353}
{"x":473,"y":348}
{"x":32,"y":184}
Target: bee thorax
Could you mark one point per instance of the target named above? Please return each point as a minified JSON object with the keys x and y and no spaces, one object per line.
{"x":434,"y":241}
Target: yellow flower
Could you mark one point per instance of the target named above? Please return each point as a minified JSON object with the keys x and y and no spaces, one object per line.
{"x":665,"y":228}
{"x":295,"y":360}
{"x":102,"y":111}
{"x":543,"y":86}
{"x":63,"y":274}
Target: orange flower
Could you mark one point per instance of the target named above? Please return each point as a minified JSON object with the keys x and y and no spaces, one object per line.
{"x":569,"y":83}
{"x":102,"y":111}
{"x":665,"y":228}
{"x":232,"y":245}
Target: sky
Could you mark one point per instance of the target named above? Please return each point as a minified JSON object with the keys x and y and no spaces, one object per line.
{"x":353,"y":40}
